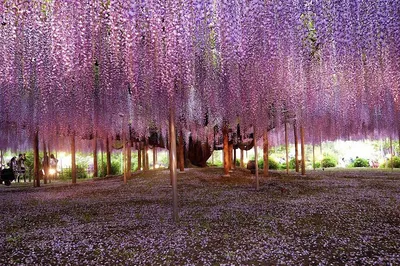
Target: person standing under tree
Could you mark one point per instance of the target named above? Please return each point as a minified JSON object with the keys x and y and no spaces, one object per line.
{"x":53,"y":166}
{"x":21,"y":166}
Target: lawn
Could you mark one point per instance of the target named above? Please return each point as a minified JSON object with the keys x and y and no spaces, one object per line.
{"x":328,"y":217}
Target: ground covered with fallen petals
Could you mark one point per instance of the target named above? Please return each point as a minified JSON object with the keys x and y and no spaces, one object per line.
{"x":327,"y":217}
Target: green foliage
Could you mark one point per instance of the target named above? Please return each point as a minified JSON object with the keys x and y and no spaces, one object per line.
{"x":261,"y":164}
{"x":66,"y":173}
{"x":273,"y":165}
{"x":360,"y":162}
{"x":292,"y":163}
{"x":396,"y":162}
{"x":317,"y":165}
{"x":328,"y":161}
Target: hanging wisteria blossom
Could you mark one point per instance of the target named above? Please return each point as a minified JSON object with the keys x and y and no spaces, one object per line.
{"x":77,"y":67}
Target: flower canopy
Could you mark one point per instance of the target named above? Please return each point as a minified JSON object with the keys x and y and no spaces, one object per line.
{"x":92,"y":67}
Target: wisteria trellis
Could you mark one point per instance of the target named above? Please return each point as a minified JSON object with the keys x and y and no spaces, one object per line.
{"x":74,"y":66}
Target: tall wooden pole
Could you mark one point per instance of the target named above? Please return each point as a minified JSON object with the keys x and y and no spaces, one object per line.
{"x":108,"y":156}
{"x":102,"y":161}
{"x":139,"y":157}
{"x":234,"y":159}
{"x":124,"y":152}
{"x":73,"y":161}
{"x":287,"y":149}
{"x":173,"y":165}
{"x":230,"y":151}
{"x":181,"y":154}
{"x":241,"y":158}
{"x":45,"y":165}
{"x":391,"y":152}
{"x":265,"y":150}
{"x":256,"y":158}
{"x":303,"y":153}
{"x":95,"y":166}
{"x":144,"y":156}
{"x":154,"y":157}
{"x":296,"y":149}
{"x":128,"y":159}
{"x":226,"y":149}
{"x":36,"y":161}
{"x":313,"y":155}
{"x":50,"y":175}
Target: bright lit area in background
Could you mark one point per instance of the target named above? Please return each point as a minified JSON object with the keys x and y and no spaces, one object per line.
{"x":345,"y":152}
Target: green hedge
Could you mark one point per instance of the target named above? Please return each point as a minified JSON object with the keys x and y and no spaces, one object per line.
{"x":396,"y":162}
{"x":328,"y":161}
{"x":272,"y":164}
{"x":360,"y":162}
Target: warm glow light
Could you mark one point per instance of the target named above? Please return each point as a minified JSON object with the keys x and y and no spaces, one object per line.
{"x":245,"y":160}
{"x":52,"y":171}
{"x":157,"y":166}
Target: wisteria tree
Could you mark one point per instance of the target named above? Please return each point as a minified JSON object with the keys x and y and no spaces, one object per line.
{"x":71,"y":67}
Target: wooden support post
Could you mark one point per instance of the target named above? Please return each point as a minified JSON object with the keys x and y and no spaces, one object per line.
{"x":256,"y":158}
{"x":287,"y":149}
{"x":139,"y":157}
{"x":124,"y":153}
{"x":226,"y":149}
{"x":265,"y":150}
{"x":95,"y":166}
{"x":128,"y":160}
{"x":234,"y":159}
{"x":144,"y":156}
{"x":303,"y":153}
{"x":154,"y":157}
{"x":391,"y":153}
{"x":313,"y":155}
{"x":296,"y":149}
{"x":108,"y":156}
{"x":181,"y":154}
{"x":230,"y":150}
{"x":241,"y":158}
{"x":173,"y":165}
{"x":36,"y":161}
{"x":45,"y":165}
{"x":73,"y":161}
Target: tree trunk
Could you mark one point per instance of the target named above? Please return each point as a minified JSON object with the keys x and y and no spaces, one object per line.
{"x":173,"y":165}
{"x":296,"y":149}
{"x":265,"y":149}
{"x":303,"y":157}
{"x":226,"y":149}
{"x":73,"y":162}
{"x":108,"y":155}
{"x":36,"y":161}
{"x":95,"y":167}
{"x":181,"y":154}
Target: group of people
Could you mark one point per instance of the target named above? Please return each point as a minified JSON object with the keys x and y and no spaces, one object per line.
{"x":49,"y":166}
{"x":18,"y":166}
